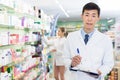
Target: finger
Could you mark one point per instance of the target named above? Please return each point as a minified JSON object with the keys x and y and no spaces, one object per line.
{"x":76,"y":62}
{"x":77,"y":59}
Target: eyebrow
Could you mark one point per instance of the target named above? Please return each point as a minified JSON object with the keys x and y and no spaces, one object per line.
{"x":92,"y":13}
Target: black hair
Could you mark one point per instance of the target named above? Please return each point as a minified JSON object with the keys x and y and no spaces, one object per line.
{"x":91,"y":6}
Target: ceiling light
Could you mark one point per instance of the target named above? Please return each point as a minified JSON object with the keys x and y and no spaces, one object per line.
{"x":63,"y":10}
{"x":61,"y":7}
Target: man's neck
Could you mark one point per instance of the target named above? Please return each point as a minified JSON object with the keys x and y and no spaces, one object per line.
{"x":88,"y":30}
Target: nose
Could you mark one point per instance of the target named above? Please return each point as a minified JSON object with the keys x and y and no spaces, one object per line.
{"x":89,"y":18}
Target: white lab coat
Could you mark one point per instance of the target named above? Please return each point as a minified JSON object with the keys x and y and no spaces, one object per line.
{"x":58,"y":44}
{"x":97,"y":54}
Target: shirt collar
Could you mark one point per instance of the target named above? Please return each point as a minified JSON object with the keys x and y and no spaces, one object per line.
{"x":84,"y":33}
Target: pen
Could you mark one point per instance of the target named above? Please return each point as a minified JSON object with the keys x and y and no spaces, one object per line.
{"x":78,"y":51}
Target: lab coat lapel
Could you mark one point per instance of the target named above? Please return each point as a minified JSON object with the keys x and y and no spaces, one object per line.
{"x":80,"y":37}
{"x":94,"y":38}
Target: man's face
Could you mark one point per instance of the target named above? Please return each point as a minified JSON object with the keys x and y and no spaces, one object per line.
{"x":90,"y":17}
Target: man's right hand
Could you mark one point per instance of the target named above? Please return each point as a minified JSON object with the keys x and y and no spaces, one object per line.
{"x":75,"y":61}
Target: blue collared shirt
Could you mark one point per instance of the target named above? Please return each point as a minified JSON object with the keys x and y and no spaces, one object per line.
{"x":84,"y":33}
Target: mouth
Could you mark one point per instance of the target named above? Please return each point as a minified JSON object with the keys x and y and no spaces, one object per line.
{"x":90,"y":24}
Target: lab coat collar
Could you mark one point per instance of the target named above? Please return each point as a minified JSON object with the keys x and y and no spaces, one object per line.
{"x":80,"y":37}
{"x":94,"y":38}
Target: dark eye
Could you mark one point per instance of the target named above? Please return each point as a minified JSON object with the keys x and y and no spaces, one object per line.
{"x":86,"y":15}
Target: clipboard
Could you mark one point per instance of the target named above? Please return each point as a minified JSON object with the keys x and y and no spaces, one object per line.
{"x":90,"y":73}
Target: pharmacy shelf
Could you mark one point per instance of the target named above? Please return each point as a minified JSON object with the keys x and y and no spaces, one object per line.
{"x":24,"y":73}
{"x":22,"y":63}
{"x":4,"y":8}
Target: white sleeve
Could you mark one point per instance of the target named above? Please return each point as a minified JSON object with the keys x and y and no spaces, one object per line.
{"x":60,"y":52}
{"x":48,"y":42}
{"x":108,"y":60}
{"x":66,"y":55}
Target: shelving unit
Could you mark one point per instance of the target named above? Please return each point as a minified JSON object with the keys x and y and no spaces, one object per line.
{"x":72,"y":29}
{"x":16,"y":37}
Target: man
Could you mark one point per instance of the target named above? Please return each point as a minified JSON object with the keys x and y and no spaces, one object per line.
{"x":89,"y":57}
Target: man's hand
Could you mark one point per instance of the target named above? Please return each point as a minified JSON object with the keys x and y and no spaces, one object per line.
{"x":99,"y":72}
{"x":75,"y":61}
